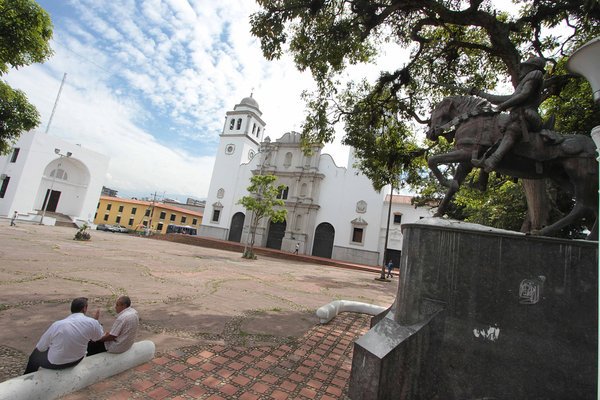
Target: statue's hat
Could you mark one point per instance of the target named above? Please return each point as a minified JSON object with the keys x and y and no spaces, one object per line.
{"x":536,"y":62}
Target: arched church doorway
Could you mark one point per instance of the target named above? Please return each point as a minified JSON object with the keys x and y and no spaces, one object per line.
{"x":323,"y":242}
{"x":237,"y":225}
{"x":276,"y":232}
{"x":63,"y":187}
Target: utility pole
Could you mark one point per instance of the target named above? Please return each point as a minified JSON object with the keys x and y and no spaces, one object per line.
{"x":149,"y":228}
{"x":56,"y":102}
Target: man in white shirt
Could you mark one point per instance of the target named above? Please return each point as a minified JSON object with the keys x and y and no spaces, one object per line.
{"x":64,"y":344}
{"x":122,"y":334}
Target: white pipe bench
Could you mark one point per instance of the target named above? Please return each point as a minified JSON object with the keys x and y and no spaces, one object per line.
{"x":48,"y":384}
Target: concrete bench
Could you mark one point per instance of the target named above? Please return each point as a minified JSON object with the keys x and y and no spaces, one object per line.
{"x":329,"y":311}
{"x":47,"y":384}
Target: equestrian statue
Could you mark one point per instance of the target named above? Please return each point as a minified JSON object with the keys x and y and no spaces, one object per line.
{"x":516,"y":144}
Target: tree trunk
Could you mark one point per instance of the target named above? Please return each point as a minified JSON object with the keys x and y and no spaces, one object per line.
{"x":538,"y":205}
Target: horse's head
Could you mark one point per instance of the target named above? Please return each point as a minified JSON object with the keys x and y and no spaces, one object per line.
{"x":447,"y":109}
{"x":441,"y":114}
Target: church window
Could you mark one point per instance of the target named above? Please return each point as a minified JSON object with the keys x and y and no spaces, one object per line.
{"x":4,"y":186}
{"x":232,"y":124}
{"x":358,"y":231}
{"x":298,"y":222}
{"x":303,"y":190}
{"x":229,"y":149}
{"x":216,"y":215}
{"x":283,"y":195}
{"x":288,"y":159}
{"x":308,"y":160}
{"x":239,"y":124}
{"x":397,"y":218}
{"x":59,"y":174}
{"x":15,"y":154}
{"x":253,"y":128}
{"x":357,"y":235}
{"x":257,"y":132}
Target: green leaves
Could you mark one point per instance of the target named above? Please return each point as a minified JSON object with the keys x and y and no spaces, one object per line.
{"x":263,"y":198}
{"x":25,"y":30}
{"x":456,"y":43}
{"x":16,"y":115}
{"x":262,"y":202}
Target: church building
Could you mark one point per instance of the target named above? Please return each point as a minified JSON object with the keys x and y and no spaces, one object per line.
{"x":332,"y":211}
{"x":44,"y":174}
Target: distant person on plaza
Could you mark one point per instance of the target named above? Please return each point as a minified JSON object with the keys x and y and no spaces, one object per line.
{"x":390,"y":266}
{"x":64,"y":344}
{"x":297,"y":248}
{"x":12,"y":220}
{"x":122,"y":334}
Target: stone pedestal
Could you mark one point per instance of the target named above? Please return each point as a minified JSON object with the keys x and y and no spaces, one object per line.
{"x":484,"y":313}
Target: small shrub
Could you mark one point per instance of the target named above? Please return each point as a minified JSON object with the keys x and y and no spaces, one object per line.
{"x":249,"y":254}
{"x":82,"y":233}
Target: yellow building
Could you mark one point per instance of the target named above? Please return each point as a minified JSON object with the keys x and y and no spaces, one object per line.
{"x":138,"y":214}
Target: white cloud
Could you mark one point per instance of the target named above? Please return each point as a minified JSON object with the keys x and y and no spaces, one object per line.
{"x":149,"y":84}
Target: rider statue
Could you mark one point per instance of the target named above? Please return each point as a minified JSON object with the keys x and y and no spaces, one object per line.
{"x":523,"y":106}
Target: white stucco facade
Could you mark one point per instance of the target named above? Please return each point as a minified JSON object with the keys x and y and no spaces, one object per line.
{"x":69,"y":179}
{"x":332,"y":211}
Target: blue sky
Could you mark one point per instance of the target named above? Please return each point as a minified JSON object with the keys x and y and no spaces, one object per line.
{"x":148,"y":84}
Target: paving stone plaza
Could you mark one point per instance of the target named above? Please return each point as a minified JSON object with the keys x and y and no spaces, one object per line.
{"x":224,"y":327}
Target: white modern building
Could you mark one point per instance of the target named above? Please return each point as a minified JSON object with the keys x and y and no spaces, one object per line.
{"x":43,"y":173}
{"x":332,"y":211}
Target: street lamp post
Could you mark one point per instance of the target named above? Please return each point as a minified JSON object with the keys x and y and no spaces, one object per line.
{"x":57,"y":151}
{"x":584,"y":61}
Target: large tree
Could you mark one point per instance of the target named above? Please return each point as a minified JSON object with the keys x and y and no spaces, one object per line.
{"x":262,"y":202}
{"x":25,"y":33}
{"x":450,"y":44}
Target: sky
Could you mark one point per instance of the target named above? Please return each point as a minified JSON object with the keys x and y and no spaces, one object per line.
{"x":149,"y":82}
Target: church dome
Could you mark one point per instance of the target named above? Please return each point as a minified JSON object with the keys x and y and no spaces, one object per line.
{"x":249,"y":101}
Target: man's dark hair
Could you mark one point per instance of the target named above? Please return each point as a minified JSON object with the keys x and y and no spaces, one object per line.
{"x":125,"y":300}
{"x":79,"y":304}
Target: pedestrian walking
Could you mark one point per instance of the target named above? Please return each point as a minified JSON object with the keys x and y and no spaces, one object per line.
{"x":12,"y":220}
{"x":390,"y":266}
{"x":297,"y":248}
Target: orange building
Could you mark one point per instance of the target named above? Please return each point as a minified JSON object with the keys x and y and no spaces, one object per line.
{"x":138,"y":215}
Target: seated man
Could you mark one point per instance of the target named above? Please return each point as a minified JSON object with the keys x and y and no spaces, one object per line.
{"x":122,"y":334}
{"x":64,"y":344}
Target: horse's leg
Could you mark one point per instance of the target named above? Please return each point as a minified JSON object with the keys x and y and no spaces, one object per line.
{"x":461,"y":173}
{"x":583,"y":185}
{"x":578,"y":211}
{"x":447,"y":158}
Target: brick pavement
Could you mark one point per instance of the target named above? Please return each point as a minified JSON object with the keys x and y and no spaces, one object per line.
{"x":316,"y":366}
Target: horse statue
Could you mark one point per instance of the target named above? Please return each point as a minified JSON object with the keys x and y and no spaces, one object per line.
{"x":475,"y":128}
